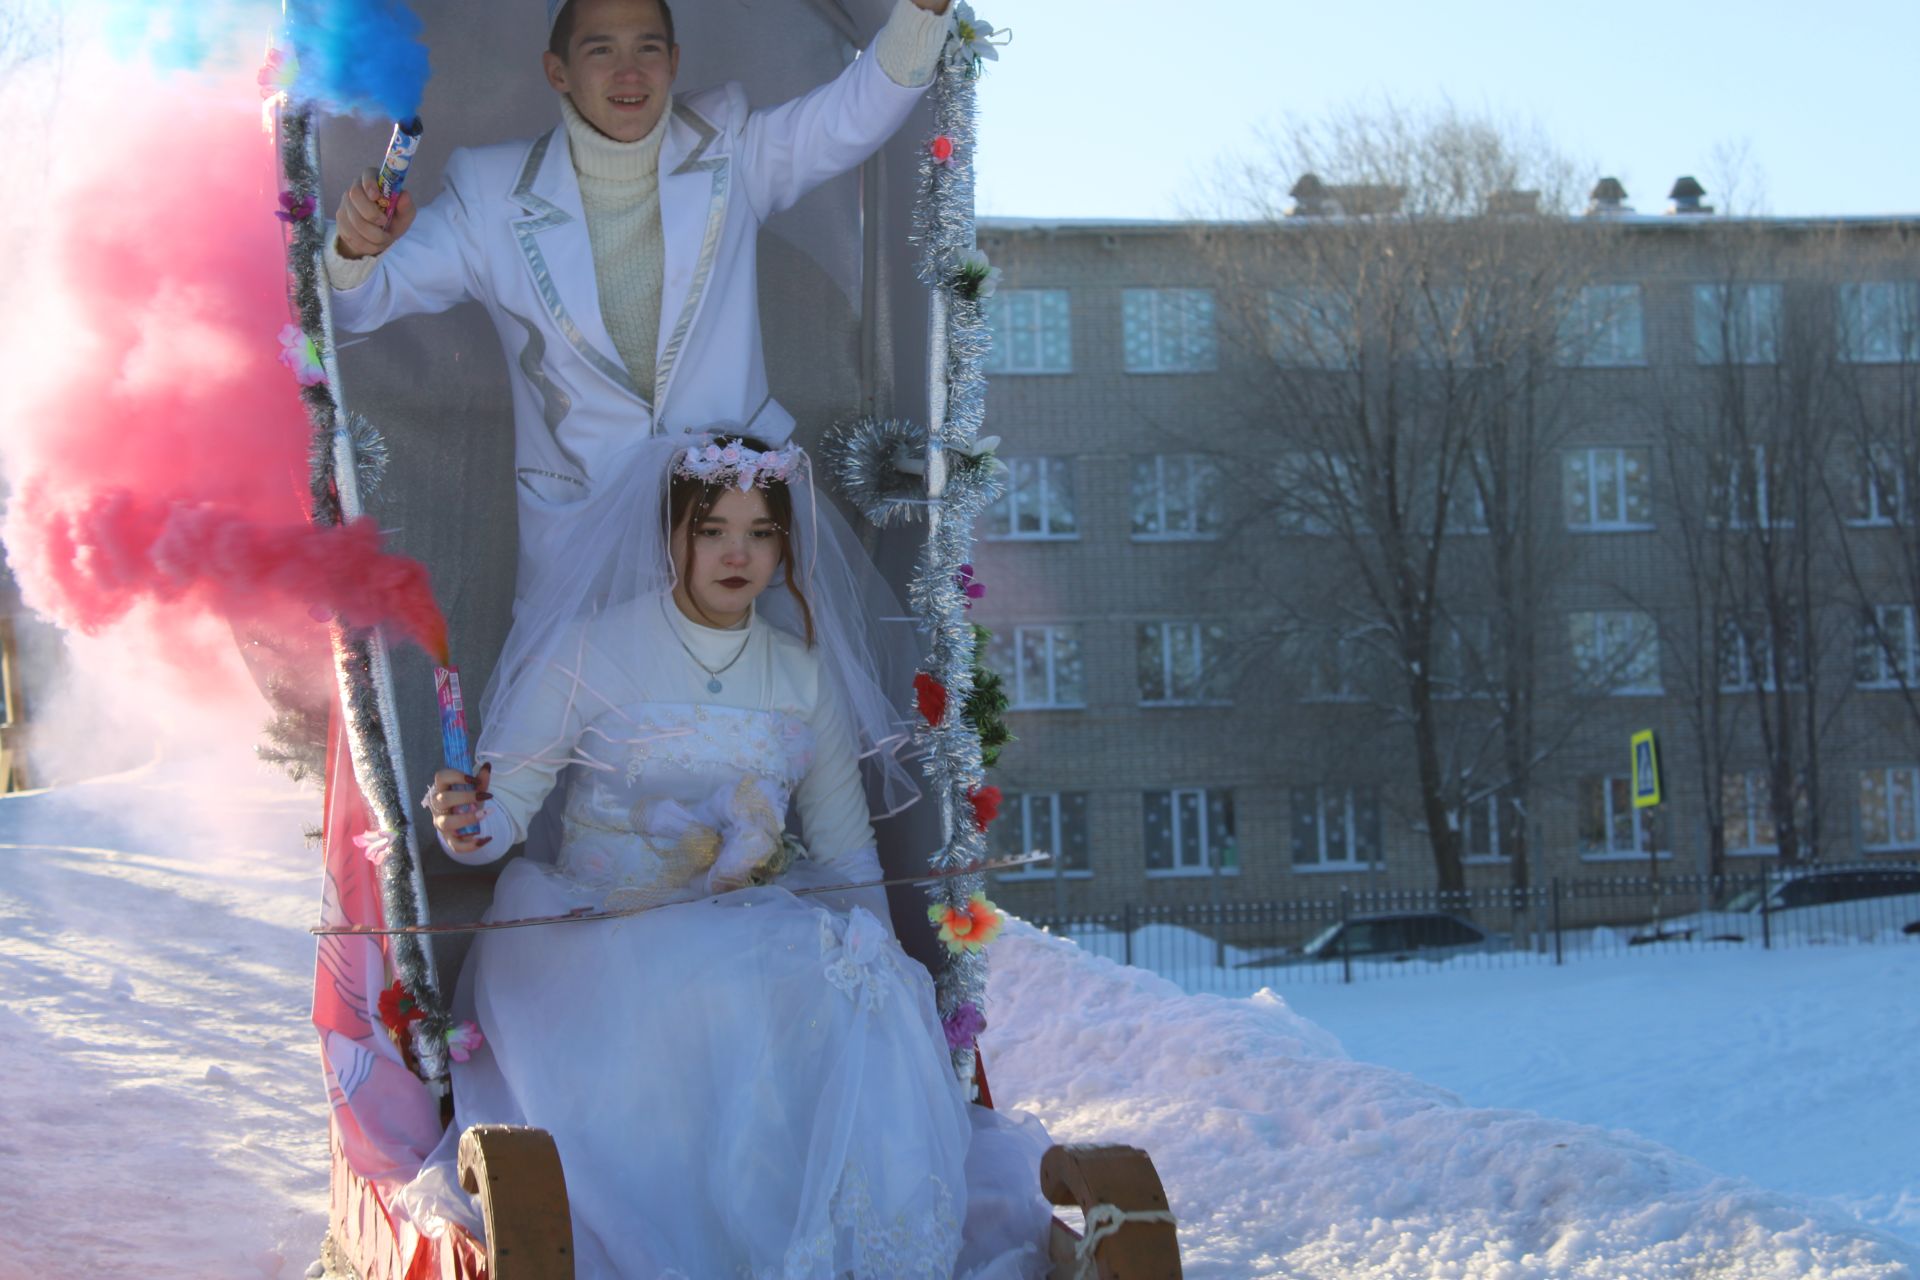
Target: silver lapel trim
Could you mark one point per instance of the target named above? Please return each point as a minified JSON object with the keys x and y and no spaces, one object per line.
{"x":709,"y":246}
{"x":555,"y":403}
{"x":545,"y":216}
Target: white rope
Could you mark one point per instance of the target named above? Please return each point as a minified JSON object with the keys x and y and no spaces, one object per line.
{"x":1102,"y":1221}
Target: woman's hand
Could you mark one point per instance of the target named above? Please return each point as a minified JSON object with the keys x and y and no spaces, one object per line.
{"x":455,"y":802}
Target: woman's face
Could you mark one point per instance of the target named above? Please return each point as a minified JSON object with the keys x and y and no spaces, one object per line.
{"x":729,"y":553}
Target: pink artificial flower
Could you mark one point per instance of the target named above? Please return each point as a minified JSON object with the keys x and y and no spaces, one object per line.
{"x":971,"y":589}
{"x":464,"y":1040}
{"x":298,"y":353}
{"x":963,"y":1026}
{"x":276,"y":73}
{"x":376,"y":844}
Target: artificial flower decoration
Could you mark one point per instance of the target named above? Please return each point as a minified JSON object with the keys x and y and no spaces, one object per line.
{"x":376,"y":844}
{"x":931,"y":697}
{"x":971,"y":589}
{"x":978,"y":278}
{"x":277,"y":73}
{"x":397,"y":1009}
{"x":464,"y":1040}
{"x":973,"y":39}
{"x":986,"y":806}
{"x":970,"y":928}
{"x":294,"y":208}
{"x":298,"y":353}
{"x":941,"y":149}
{"x":963,"y":1026}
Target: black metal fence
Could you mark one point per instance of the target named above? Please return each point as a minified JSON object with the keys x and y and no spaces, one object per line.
{"x":1241,"y":946}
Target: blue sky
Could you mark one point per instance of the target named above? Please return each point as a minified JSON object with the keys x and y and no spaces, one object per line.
{"x":1112,"y":108}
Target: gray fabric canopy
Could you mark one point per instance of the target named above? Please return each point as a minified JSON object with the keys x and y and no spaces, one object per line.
{"x":844,"y":320}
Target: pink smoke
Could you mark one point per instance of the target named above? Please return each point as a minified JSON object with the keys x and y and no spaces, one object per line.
{"x":155,"y":443}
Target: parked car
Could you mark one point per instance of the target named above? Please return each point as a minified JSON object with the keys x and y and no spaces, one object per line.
{"x":1856,"y":901}
{"x":1394,"y":936}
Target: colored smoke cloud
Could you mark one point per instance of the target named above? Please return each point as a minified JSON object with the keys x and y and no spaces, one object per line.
{"x":359,"y":57}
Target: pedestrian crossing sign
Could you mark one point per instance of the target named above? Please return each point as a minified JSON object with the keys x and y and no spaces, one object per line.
{"x":1646,"y":770}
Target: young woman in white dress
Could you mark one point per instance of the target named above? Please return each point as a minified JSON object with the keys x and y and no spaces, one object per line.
{"x":740,"y":1081}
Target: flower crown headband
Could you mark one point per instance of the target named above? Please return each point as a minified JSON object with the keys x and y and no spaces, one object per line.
{"x":738,"y":465}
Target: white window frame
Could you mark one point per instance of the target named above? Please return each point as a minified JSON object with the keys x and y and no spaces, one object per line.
{"x":1487,"y":810}
{"x":1343,"y":655}
{"x":1606,"y":328}
{"x":1210,"y":863}
{"x":1732,"y":636}
{"x":1310,"y":328}
{"x":1200,"y":648}
{"x":1457,"y":657}
{"x":1909,"y":775}
{"x":1203,"y":487}
{"x":1610,"y":665}
{"x":1746,"y":500}
{"x":1884,"y":510}
{"x":1756,"y":793}
{"x":1880,"y":322}
{"x":1047,"y":464}
{"x":1640,"y":822}
{"x":1021,"y":808}
{"x":1758,"y":336}
{"x":1887,"y":676}
{"x":1000,"y":358}
{"x":1616,"y":457}
{"x":1181,"y":330}
{"x":1349,"y":817}
{"x":1053,"y":636}
{"x":1300,"y":472}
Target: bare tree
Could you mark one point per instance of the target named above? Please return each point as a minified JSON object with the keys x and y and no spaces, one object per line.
{"x":1406,"y":298}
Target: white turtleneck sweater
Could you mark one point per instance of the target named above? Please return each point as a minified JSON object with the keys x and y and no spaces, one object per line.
{"x":620,"y":189}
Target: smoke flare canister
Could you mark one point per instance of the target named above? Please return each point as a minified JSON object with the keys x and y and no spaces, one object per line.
{"x":453,"y":726}
{"x":399,"y":159}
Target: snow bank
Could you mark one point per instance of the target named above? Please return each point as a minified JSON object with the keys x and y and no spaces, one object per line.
{"x":1282,"y":1157}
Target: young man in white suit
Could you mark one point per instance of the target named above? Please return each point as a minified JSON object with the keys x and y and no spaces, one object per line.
{"x":616,"y":253}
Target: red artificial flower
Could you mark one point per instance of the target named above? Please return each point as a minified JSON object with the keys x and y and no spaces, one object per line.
{"x":931,"y":696}
{"x":941,"y":149}
{"x":986,"y":806}
{"x":397,"y":1009}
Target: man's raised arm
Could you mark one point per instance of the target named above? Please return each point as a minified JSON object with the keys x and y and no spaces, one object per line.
{"x":790,"y":149}
{"x":381,"y":271}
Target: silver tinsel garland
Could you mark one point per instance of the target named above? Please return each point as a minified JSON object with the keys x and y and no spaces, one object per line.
{"x":959,"y":485}
{"x":359,"y":655}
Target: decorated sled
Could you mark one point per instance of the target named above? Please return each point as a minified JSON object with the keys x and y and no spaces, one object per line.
{"x":871,"y":307}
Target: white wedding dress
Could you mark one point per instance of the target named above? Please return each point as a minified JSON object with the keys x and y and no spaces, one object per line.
{"x":749,"y":1085}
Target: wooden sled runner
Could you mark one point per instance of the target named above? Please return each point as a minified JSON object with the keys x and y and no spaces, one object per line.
{"x":516,"y":1173}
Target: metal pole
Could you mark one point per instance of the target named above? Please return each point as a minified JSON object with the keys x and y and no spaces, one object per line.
{"x":1126,"y":930}
{"x":1766,"y":913}
{"x":1346,"y":939}
{"x":1559,"y":952}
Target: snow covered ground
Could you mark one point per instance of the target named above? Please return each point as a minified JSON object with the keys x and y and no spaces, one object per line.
{"x":164,"y":1114}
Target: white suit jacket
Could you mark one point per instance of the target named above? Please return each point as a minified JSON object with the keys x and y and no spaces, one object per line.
{"x":509,"y":231}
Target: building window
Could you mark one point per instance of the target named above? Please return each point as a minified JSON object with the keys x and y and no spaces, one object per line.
{"x":1604,"y":328}
{"x":1616,"y":651}
{"x":1608,"y":489}
{"x":1464,"y":658}
{"x":1746,"y":494}
{"x":1341,"y":666}
{"x":1182,"y":663}
{"x":1311,"y":329}
{"x":1747,"y":660}
{"x":1053,"y":822}
{"x":1317,"y":495}
{"x":1038,"y":503}
{"x":1746,"y":808}
{"x":1041,"y":666}
{"x":1736,"y":324}
{"x":1610,"y":827}
{"x":1336,"y":828}
{"x":1890,"y":808}
{"x":1443,"y":328}
{"x":1880,"y":322}
{"x":1190,"y":832}
{"x":1879,"y":486}
{"x":1887,"y":651}
{"x":1176,"y":496}
{"x":1482,"y":837}
{"x":1169,"y":331}
{"x":1032,"y":331}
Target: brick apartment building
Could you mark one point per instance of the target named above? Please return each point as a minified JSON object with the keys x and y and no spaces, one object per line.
{"x":1194,"y":681}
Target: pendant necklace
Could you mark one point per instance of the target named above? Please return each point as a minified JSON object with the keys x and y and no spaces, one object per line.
{"x":713,"y":673}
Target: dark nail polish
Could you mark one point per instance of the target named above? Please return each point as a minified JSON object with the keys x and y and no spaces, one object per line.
{"x":483,"y":795}
{"x":483,"y":842}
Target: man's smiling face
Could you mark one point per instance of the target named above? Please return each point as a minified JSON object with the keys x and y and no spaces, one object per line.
{"x":620,"y":63}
